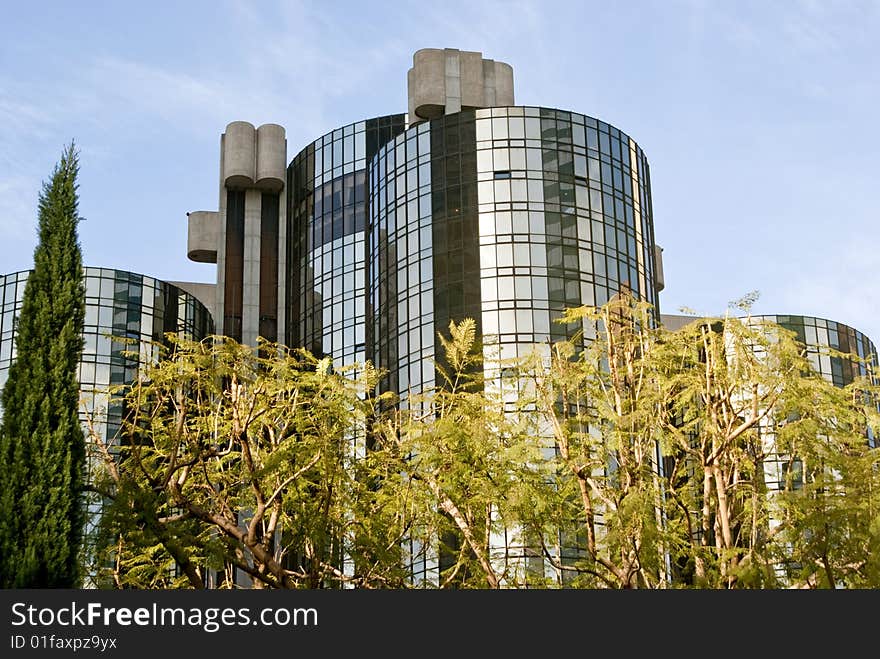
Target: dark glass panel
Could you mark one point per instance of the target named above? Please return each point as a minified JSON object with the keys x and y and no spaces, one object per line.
{"x":268,"y":326}
{"x":234,"y":271}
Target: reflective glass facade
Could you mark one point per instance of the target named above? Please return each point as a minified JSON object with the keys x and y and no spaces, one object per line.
{"x":118,"y":304}
{"x":817,"y":335}
{"x":326,"y":247}
{"x":508,"y":216}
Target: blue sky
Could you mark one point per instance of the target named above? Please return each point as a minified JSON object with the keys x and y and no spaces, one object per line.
{"x":759,"y":120}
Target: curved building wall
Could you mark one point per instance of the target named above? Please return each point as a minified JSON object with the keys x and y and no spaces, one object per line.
{"x":118,"y":303}
{"x":422,"y":228}
{"x":508,"y":216}
{"x":565,"y":220}
{"x":121,"y":304}
{"x":327,"y":244}
{"x":819,"y":334}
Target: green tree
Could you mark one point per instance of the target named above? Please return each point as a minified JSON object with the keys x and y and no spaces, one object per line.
{"x":231,"y":458}
{"x":467,"y":469}
{"x":725,"y":384}
{"x":598,"y":409}
{"x":769,"y":473}
{"x":712,"y":457}
{"x":42,"y":448}
{"x":829,"y":506}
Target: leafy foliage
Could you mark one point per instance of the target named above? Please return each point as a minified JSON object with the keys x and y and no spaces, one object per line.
{"x":628,"y":456}
{"x":238,"y":459}
{"x":467,"y":467}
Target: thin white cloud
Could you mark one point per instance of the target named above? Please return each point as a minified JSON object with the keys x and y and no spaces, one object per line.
{"x":800,"y":27}
{"x":18,"y":116}
{"x":290,"y":65}
{"x":18,"y":208}
{"x":177,"y":97}
{"x":815,"y":26}
{"x":841,"y":287}
{"x":24,"y":125}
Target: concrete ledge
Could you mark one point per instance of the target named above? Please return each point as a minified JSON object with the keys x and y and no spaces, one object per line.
{"x":203,"y":292}
{"x":428,"y":82}
{"x":203,"y":233}
{"x":659,"y":282}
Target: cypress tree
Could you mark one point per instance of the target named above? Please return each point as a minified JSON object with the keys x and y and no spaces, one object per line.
{"x":42,"y":446}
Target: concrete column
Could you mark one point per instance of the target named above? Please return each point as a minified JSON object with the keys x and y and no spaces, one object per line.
{"x":271,"y":157}
{"x":427,"y":85}
{"x":250,"y":309}
{"x":240,"y":154}
{"x":471,"y":81}
{"x":253,"y":160}
{"x":282,"y":266}
{"x":488,"y":80}
{"x":219,"y":304}
{"x":503,"y":85}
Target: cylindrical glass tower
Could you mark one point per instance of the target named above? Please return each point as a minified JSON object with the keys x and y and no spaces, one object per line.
{"x":505,"y":215}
